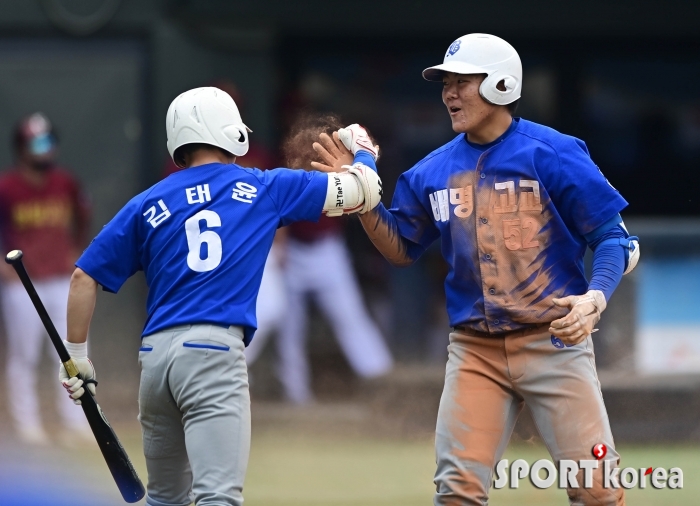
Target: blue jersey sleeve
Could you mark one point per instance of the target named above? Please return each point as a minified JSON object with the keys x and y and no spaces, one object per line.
{"x":298,"y":195}
{"x":412,"y":220}
{"x":608,"y":262}
{"x":114,"y":255}
{"x":581,"y":194}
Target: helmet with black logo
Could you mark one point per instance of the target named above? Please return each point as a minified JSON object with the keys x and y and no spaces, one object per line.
{"x":206,"y":116}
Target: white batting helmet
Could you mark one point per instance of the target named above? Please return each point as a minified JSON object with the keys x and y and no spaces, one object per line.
{"x":206,"y":116}
{"x":481,"y":53}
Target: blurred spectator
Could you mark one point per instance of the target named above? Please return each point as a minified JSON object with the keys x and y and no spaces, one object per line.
{"x":272,"y":299}
{"x":44,"y":213}
{"x":318,"y":264}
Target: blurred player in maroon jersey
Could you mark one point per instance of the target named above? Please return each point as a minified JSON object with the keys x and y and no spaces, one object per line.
{"x":44,"y":213}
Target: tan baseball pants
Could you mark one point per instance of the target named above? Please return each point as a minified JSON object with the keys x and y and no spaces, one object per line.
{"x":488,"y":380}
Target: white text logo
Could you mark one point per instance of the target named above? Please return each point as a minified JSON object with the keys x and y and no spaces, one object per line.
{"x":461,"y":198}
{"x":198,"y":194}
{"x":244,"y":192}
{"x":566,"y":475}
{"x":154,"y":219}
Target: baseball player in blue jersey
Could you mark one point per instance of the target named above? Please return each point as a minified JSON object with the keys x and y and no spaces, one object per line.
{"x":201,"y":237}
{"x":515,"y":205}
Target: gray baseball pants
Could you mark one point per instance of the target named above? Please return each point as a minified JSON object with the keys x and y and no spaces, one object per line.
{"x":488,"y":381}
{"x":194,"y":409}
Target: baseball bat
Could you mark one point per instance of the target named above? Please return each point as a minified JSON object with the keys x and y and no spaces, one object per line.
{"x":113,"y":452}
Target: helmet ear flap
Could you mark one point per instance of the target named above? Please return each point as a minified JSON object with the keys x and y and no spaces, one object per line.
{"x":509,"y":83}
{"x":490,"y":93}
{"x":236,"y":135}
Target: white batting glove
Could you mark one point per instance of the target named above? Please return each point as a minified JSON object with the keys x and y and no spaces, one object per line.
{"x":74,"y":386}
{"x":584,"y":314}
{"x":355,"y":138}
{"x":370,"y":183}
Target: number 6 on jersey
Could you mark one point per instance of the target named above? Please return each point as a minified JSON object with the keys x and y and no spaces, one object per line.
{"x":196,"y":238}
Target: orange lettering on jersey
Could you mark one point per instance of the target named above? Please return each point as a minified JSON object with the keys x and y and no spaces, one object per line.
{"x":512,"y":236}
{"x":530,"y":229}
{"x":50,"y":213}
{"x":520,"y":235}
{"x":530,"y":200}
{"x":507,"y":202}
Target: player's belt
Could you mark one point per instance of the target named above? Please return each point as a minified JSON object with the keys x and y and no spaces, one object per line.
{"x":472,"y":332}
{"x":477,"y":333}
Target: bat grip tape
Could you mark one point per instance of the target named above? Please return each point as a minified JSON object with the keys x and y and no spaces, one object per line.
{"x":71,"y":368}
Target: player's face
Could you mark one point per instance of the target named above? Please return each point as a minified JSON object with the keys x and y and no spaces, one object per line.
{"x":460,"y":93}
{"x":40,"y":161}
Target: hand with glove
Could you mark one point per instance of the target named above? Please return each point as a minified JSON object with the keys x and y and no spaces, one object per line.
{"x":75,"y":386}
{"x":584,"y":314}
{"x":355,"y":138}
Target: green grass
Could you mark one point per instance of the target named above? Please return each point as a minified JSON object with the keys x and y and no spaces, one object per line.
{"x":305,"y":470}
{"x":295,"y":468}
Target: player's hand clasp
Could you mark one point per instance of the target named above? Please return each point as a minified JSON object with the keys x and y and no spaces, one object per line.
{"x":332,"y":152}
{"x":584,"y":314}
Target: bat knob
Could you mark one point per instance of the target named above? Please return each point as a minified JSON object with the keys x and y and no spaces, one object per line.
{"x":14,"y":256}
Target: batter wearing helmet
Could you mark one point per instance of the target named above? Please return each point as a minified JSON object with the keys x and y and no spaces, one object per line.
{"x":201,"y":237}
{"x":515,"y":205}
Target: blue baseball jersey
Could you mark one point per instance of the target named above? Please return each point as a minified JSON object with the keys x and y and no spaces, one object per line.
{"x":201,"y":236}
{"x":511,"y":216}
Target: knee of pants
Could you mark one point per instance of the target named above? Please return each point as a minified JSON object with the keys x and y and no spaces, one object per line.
{"x":169,"y":481}
{"x":461,"y":482}
{"x":598,"y":495}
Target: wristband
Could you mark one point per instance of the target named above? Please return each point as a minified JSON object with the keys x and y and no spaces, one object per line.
{"x":76,"y":350}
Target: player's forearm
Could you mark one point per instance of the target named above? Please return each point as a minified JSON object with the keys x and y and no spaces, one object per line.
{"x":81,"y":305}
{"x":608,"y":262}
{"x":382,"y":230}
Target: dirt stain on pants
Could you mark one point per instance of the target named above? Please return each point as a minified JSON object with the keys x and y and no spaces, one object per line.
{"x":487,"y":383}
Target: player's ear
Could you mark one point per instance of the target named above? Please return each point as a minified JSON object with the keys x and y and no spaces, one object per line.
{"x":179,"y":157}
